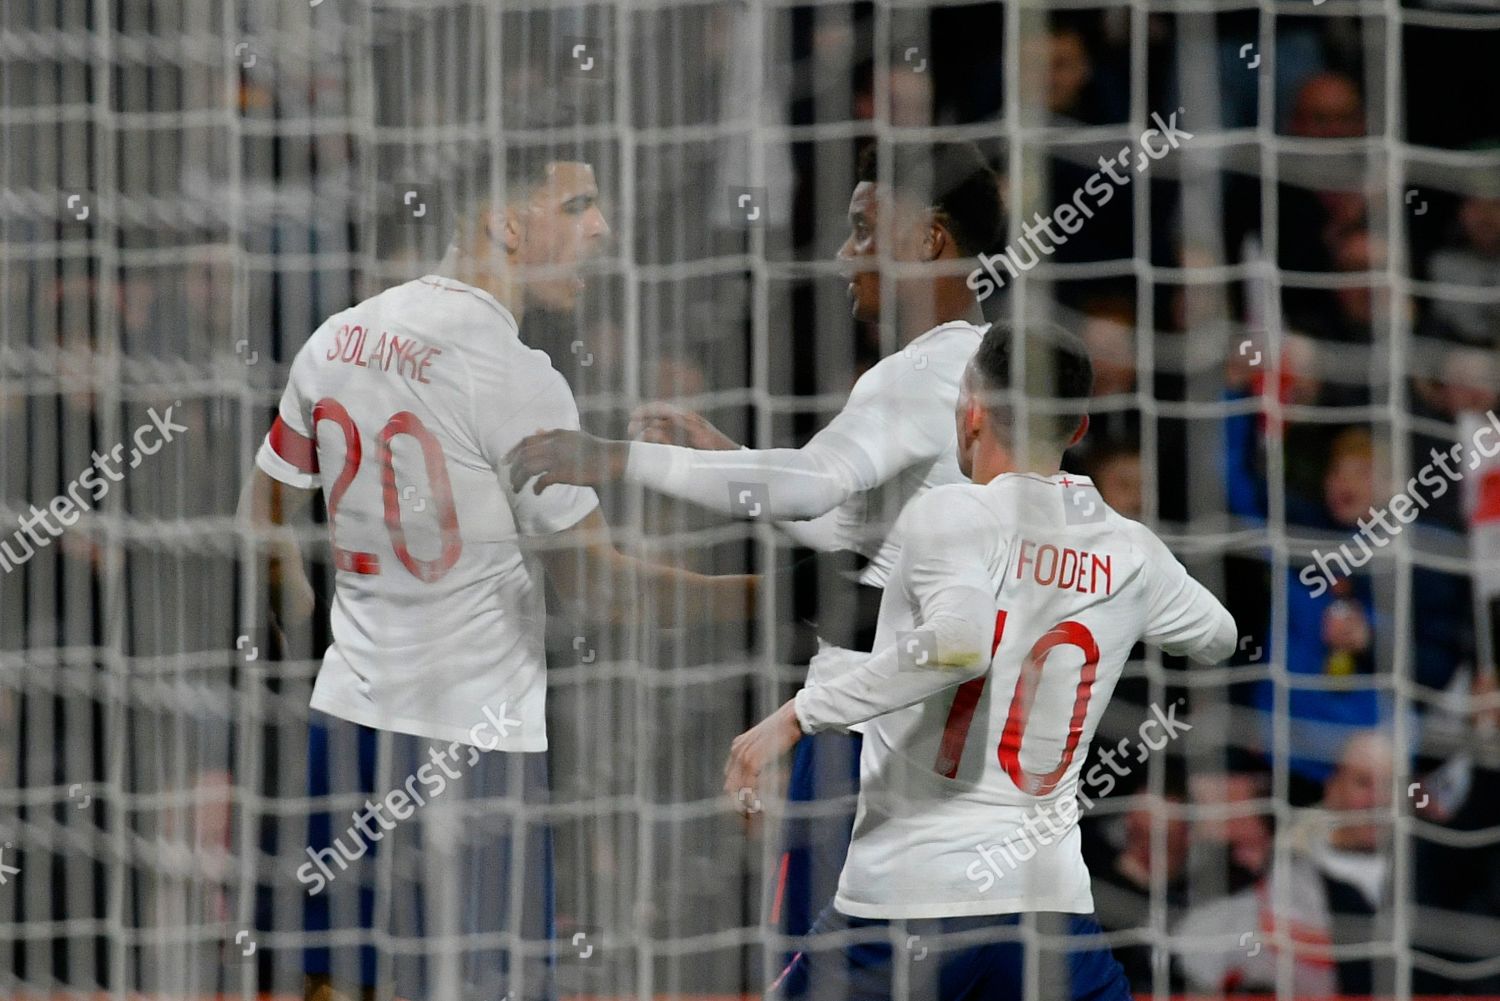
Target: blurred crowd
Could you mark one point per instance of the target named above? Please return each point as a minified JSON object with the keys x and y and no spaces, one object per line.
{"x":1280,"y":338}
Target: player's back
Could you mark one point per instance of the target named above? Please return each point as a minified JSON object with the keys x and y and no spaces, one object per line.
{"x":988,"y":771}
{"x":409,"y":401}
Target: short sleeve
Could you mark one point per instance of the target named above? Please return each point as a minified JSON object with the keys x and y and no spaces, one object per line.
{"x":549,"y":407}
{"x":289,"y":452}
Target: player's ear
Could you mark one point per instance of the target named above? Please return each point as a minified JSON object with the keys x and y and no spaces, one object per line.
{"x":973,"y":420}
{"x":937,"y":239}
{"x":502,"y":226}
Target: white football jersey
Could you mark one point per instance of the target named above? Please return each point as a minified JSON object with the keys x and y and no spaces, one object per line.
{"x":900,"y":415}
{"x":402,"y":409}
{"x":968,"y":799}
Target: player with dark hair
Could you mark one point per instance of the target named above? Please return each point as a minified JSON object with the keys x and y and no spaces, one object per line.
{"x":843,"y":489}
{"x":1009,"y":616}
{"x":402,"y":409}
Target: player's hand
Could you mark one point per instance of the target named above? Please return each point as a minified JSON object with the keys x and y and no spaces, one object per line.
{"x":754,"y":750}
{"x":563,"y":456}
{"x":668,"y":425}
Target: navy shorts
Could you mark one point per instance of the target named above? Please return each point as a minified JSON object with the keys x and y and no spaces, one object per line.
{"x":950,"y":959}
{"x":446,"y":890}
{"x":825,"y":772}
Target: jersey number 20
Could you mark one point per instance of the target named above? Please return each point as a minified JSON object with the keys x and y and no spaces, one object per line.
{"x":438,"y":483}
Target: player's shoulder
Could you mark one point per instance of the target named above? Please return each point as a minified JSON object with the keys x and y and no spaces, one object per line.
{"x":949,"y":510}
{"x":458,"y":311}
{"x":942,"y":352}
{"x":933,"y":361}
{"x":952,"y":335}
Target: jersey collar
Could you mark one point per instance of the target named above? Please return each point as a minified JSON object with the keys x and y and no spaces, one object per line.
{"x":978,"y":328}
{"x":454,"y":285}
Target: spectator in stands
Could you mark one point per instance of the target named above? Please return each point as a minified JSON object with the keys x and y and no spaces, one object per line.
{"x":1312,"y":221}
{"x":1056,"y":69}
{"x":1466,"y":381}
{"x":1108,"y":329}
{"x":1063,"y":82}
{"x":1331,"y":626}
{"x":1299,"y":54}
{"x":1335,"y":890}
{"x":1122,"y":881}
{"x":1242,"y":832}
{"x":1304,"y":444}
{"x":910,"y":94}
{"x":1330,"y":634}
{"x":1328,"y":106}
{"x":1349,"y":313}
{"x":1453,"y":870}
{"x":1473,"y":261}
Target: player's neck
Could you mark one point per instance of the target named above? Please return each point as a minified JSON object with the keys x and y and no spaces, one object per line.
{"x":482,"y":274}
{"x":991,"y":459}
{"x":933,"y":305}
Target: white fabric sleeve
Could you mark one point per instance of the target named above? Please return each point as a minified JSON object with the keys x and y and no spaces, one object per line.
{"x":829,"y":663}
{"x":825,"y":533}
{"x":289,"y":452}
{"x":1182,"y":616}
{"x":896,"y":416}
{"x":832,"y":661}
{"x":946,"y":577}
{"x":548,"y":404}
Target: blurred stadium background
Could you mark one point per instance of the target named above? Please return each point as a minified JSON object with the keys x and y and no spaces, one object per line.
{"x":1287,"y":312}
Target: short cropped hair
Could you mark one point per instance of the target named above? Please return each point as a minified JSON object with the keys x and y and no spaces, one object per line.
{"x":1057,"y":368}
{"x":953,"y":180}
{"x":517,"y":169}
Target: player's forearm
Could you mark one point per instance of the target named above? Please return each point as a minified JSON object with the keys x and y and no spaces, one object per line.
{"x":267,"y":504}
{"x":675,"y":597}
{"x":687,"y":598}
{"x":920,"y":665}
{"x":781,"y":483}
{"x":610,"y":586}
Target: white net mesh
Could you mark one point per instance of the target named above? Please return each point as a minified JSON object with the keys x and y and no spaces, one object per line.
{"x":190,"y":188}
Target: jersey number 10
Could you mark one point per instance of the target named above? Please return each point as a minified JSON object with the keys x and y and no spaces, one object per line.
{"x":438,"y":483}
{"x":1070,"y":633}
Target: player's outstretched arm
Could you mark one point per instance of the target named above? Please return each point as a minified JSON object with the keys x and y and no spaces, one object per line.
{"x":606,"y":584}
{"x":269,"y":506}
{"x":779,"y":483}
{"x":900,"y":417}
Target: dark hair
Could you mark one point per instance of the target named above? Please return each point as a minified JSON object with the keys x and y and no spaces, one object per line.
{"x":521,"y":166}
{"x":1057,"y":368}
{"x":953,"y":180}
{"x":480,"y":174}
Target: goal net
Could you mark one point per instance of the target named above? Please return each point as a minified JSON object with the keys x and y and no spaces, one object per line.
{"x":1288,"y":277}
